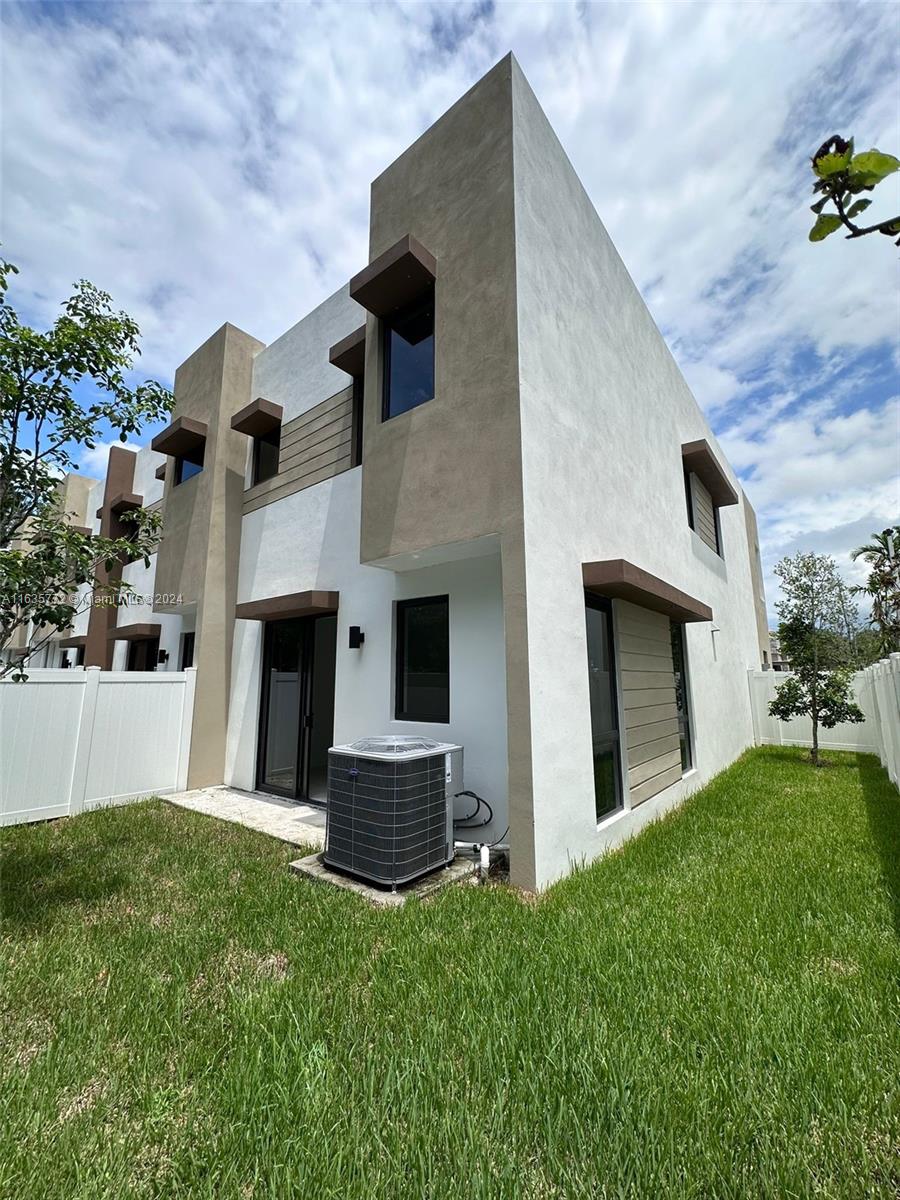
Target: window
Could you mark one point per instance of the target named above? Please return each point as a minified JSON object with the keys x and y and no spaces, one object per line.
{"x":265,"y":455}
{"x":142,"y":653}
{"x":79,"y":656}
{"x":703,"y":513}
{"x":189,"y":464}
{"x":409,"y":358}
{"x":679,"y":665}
{"x":604,"y":706}
{"x":423,"y":659}
{"x":187,"y":650}
{"x":357,"y":422}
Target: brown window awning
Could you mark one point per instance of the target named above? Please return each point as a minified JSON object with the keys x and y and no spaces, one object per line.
{"x":179,"y":438}
{"x":125,"y":502}
{"x":279,"y":608}
{"x":349,"y":354}
{"x":622,"y":580}
{"x":72,"y":643}
{"x":133,"y":633}
{"x":395,"y":279}
{"x":257,"y":418}
{"x":699,"y":459}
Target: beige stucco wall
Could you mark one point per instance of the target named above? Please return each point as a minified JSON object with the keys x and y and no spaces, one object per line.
{"x":200,"y":548}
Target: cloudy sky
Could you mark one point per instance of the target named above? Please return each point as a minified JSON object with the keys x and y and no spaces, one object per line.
{"x":206,"y":163}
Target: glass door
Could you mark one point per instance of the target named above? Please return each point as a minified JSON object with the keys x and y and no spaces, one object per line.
{"x":604,"y":706}
{"x":297,"y":707}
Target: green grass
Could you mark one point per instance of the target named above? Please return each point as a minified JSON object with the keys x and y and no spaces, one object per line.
{"x":710,"y":1013}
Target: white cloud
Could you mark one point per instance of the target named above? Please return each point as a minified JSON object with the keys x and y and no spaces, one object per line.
{"x":212,"y":162}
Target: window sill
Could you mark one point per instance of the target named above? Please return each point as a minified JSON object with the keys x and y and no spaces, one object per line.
{"x":612,"y":818}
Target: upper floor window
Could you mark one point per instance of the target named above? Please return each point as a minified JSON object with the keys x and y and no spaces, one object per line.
{"x":423,"y":659}
{"x":189,"y":464}
{"x":266,"y":449}
{"x":703,"y":515}
{"x":409,"y":357}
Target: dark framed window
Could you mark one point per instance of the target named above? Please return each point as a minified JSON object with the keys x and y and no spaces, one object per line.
{"x":79,"y":656}
{"x":604,"y":706}
{"x":265,"y":455}
{"x":189,"y":464}
{"x":142,"y":654}
{"x":679,"y":665}
{"x":408,"y":351}
{"x":357,"y":422}
{"x":187,"y":650}
{"x":423,"y":659}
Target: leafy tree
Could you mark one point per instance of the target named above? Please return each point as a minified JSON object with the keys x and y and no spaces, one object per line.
{"x":882,"y":587}
{"x":43,"y":428}
{"x":841,"y":178}
{"x":812,"y":609}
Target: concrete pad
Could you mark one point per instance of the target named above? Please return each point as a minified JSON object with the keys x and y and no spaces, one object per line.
{"x":297,"y":824}
{"x":462,"y":869}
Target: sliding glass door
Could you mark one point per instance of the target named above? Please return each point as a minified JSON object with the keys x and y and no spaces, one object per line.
{"x":297,"y":707}
{"x":604,"y":706}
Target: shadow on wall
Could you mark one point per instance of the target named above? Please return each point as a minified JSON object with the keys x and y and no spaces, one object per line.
{"x":883,"y":812}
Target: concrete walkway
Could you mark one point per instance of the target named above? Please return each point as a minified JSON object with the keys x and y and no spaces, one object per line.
{"x":298,"y":824}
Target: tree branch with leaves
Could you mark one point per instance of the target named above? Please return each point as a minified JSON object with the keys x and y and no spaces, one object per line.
{"x":841,"y":178}
{"x":44,"y":560}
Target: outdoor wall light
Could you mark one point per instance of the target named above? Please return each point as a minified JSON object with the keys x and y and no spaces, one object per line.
{"x":162,"y":656}
{"x":357,"y":637}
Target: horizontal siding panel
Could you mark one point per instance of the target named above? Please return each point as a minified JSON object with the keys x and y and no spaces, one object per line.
{"x":652,"y":787}
{"x":297,"y":485}
{"x":653,"y":767}
{"x":656,"y":749}
{"x":317,"y":453}
{"x":633,"y":680}
{"x":315,"y":417}
{"x":631,"y":644}
{"x":647,"y":628}
{"x":653,"y":730}
{"x":650,"y":697}
{"x":638,"y":717}
{"x":341,"y":424}
{"x":639,"y":661}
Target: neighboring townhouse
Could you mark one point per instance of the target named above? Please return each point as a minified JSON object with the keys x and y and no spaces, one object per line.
{"x":73,"y":493}
{"x":779,"y":662}
{"x":469,"y":496}
{"x":128,"y":635}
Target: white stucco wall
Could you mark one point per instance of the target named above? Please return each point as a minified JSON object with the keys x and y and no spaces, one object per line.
{"x":605,"y":411}
{"x":310,"y":540}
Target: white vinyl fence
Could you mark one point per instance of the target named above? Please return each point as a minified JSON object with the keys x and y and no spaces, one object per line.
{"x":72,"y":740}
{"x":877,"y":692}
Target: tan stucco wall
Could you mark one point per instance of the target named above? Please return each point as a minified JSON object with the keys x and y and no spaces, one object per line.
{"x":200,"y":548}
{"x":450,"y":470}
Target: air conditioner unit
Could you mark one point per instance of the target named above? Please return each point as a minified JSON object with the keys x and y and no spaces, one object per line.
{"x":389,"y":816}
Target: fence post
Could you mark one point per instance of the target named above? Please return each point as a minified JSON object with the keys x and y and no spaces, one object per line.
{"x":78,"y":787}
{"x":187,"y":721}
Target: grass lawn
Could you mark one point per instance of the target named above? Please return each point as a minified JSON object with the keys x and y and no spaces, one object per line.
{"x":709,"y":1013}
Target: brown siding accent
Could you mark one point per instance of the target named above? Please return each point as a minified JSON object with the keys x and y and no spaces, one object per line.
{"x":704,"y":513}
{"x":648,"y":697}
{"x":297,"y":604}
{"x":133,"y":633}
{"x":699,"y":459}
{"x":620,"y":579}
{"x":98,"y":647}
{"x":395,"y":278}
{"x":349,"y":354}
{"x":258,"y":417}
{"x":182,"y":435}
{"x":314,"y":446}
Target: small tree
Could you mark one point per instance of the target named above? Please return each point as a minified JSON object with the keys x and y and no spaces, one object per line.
{"x":882,"y":587}
{"x":841,"y":178}
{"x":43,"y":428}
{"x":812,"y":633}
